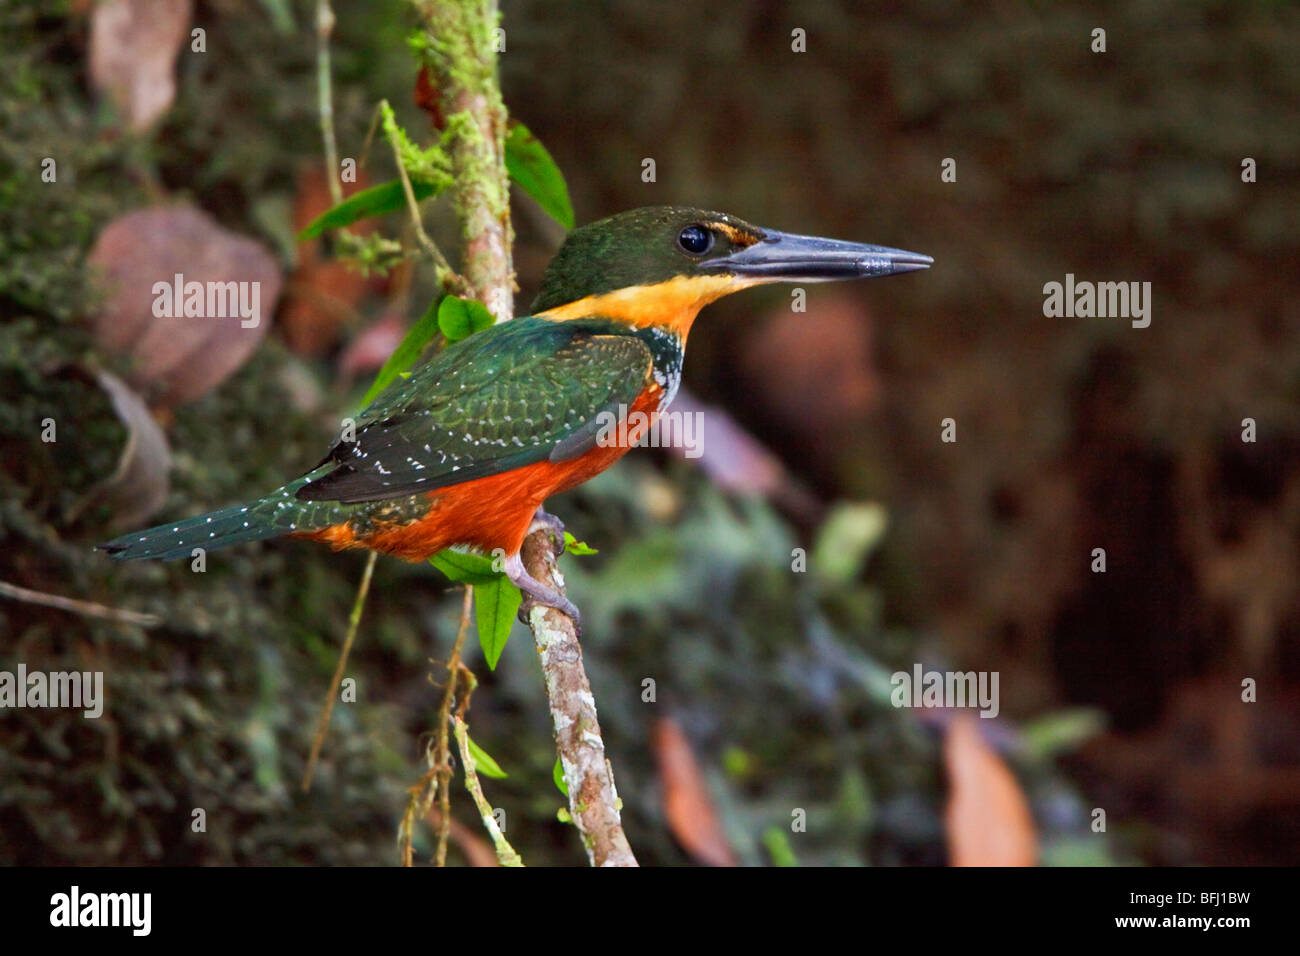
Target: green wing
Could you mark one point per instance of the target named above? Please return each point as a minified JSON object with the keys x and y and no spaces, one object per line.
{"x":521,"y":392}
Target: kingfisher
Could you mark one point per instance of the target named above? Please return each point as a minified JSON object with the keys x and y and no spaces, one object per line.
{"x":465,"y":451}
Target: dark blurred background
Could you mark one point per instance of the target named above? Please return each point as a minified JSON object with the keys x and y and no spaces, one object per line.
{"x":1120,"y":691}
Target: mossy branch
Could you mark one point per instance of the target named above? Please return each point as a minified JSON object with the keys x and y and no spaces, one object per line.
{"x":455,"y":44}
{"x":432,"y":163}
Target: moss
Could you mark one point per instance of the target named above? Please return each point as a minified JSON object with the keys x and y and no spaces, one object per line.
{"x":430,"y":165}
{"x":216,"y":708}
{"x":479,"y":175}
{"x":455,"y":44}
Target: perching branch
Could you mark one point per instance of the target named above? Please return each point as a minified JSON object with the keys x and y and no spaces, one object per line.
{"x":593,"y":801}
{"x":458,"y":55}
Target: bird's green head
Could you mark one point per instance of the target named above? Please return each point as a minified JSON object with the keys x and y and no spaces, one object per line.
{"x":660,"y":264}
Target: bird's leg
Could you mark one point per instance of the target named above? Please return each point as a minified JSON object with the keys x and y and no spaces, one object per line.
{"x":545,"y":520}
{"x":535,"y":592}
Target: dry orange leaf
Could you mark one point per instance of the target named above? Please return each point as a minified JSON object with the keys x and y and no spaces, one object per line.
{"x":987,"y":818}
{"x":323,"y":293}
{"x":688,"y":804}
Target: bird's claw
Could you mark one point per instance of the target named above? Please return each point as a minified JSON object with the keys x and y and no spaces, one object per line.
{"x":561,"y":604}
{"x":536,"y":593}
{"x":544,"y":520}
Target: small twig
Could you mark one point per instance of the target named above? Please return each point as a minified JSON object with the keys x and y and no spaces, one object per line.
{"x":478,"y":852}
{"x":447,"y":277}
{"x":354,"y":621}
{"x":442,"y":756}
{"x":419,"y":804}
{"x":437,"y":779}
{"x":370,"y":135}
{"x":324,"y":28}
{"x":505,"y":852}
{"x":84,"y":608}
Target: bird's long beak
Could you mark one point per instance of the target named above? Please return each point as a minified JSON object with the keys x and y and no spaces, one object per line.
{"x":783,"y":257}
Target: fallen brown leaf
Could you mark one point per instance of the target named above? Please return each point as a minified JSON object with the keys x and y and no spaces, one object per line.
{"x":133,"y":47}
{"x":176,"y":359}
{"x":733,"y":458}
{"x":828,"y":384}
{"x":429,"y":98}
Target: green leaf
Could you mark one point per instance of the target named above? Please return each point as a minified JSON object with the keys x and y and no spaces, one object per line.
{"x":532,"y":168}
{"x":778,"y":846}
{"x":460,"y":318}
{"x":404,"y":356}
{"x":484,"y":762}
{"x":1060,"y":732}
{"x":495,"y":607}
{"x":373,"y":201}
{"x":558,"y":776}
{"x":845,"y":539}
{"x":468,"y":568}
{"x":575,"y":547}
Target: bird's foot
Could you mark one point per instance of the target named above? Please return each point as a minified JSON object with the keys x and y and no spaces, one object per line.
{"x":559,"y":602}
{"x":544,"y":520}
{"x":536,"y":593}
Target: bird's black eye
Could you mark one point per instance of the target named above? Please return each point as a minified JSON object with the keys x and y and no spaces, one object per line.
{"x":695,"y":239}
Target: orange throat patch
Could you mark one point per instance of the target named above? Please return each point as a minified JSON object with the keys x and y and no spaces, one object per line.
{"x":671,"y":305}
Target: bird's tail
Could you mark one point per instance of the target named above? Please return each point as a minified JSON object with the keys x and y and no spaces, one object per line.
{"x":276,"y":514}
